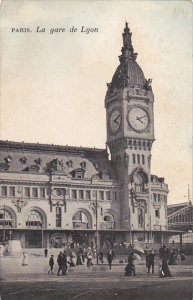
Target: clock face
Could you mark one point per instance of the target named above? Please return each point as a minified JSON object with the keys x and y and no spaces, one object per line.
{"x":115,"y":120}
{"x":138,"y":118}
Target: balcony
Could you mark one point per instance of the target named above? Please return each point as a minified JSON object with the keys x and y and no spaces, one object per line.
{"x":106,"y":225}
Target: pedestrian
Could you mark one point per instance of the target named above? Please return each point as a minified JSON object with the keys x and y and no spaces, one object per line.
{"x":72,"y":244}
{"x":46,"y":252}
{"x":59,"y":261}
{"x":165,"y":269}
{"x":64,"y":263}
{"x":25,"y":259}
{"x":72,"y":258}
{"x":146,"y":251}
{"x":89,"y":257}
{"x":51,"y":264}
{"x":130,"y":267}
{"x":150,"y":261}
{"x":110,"y":257}
{"x":100,"y":256}
{"x":172,"y":260}
{"x":78,"y":259}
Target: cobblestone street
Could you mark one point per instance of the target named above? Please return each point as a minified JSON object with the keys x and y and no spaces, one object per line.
{"x":34,"y":282}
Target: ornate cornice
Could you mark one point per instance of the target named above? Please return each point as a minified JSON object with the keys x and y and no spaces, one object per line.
{"x":131,"y":143}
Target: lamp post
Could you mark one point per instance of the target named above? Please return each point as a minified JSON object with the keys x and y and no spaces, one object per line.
{"x":96,"y":204}
{"x":4,"y":223}
{"x":42,"y":232}
{"x":95,"y":211}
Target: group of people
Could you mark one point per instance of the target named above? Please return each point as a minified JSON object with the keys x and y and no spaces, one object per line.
{"x":70,"y":259}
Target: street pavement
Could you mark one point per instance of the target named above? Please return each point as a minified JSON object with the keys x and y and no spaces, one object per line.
{"x":34,"y":282}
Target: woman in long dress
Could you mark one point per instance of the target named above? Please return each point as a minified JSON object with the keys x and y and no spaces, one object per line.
{"x":25,"y":259}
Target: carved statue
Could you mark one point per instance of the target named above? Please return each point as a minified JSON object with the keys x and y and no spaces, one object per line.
{"x":148,"y":84}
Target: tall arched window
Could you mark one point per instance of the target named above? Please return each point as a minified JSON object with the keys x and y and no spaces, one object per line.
{"x":109,"y":221}
{"x":81,"y":220}
{"x":5,"y":218}
{"x":138,"y":158}
{"x":139,"y":183}
{"x":133,"y":158}
{"x":34,"y":219}
{"x":143,"y":159}
{"x":140,"y":217}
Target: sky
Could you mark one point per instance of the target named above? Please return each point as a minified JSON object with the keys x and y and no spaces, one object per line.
{"x":53,"y":85}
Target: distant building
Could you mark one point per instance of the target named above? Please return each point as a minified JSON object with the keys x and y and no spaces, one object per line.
{"x":50,"y":195}
{"x":180,"y":216}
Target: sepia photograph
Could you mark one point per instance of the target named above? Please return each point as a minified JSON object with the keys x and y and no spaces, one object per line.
{"x":96,"y":150}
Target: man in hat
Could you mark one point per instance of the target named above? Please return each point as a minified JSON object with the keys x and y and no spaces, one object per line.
{"x":51,"y":264}
{"x":64,"y":263}
{"x":150,"y":261}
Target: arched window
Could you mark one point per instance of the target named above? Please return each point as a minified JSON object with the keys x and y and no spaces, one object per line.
{"x":109,"y":221}
{"x":81,"y":220}
{"x":140,"y":217}
{"x":5,"y":218}
{"x":34,"y":219}
{"x":133,"y":158}
{"x":139,"y":183}
{"x":143,"y":159}
{"x":138,"y":159}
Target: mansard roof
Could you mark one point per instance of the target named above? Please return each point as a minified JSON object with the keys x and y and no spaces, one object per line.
{"x":43,"y":158}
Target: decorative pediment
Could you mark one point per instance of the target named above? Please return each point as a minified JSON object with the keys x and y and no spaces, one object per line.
{"x":19,"y":203}
{"x":55,"y":165}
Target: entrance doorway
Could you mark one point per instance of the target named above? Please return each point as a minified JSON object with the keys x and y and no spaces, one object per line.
{"x":33,"y":239}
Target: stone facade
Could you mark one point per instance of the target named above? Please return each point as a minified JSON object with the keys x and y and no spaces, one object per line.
{"x":50,"y":195}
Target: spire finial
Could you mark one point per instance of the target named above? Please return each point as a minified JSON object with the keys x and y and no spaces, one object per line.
{"x":127,"y":50}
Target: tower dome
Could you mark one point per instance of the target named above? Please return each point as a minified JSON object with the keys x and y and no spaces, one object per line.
{"x":128,"y":73}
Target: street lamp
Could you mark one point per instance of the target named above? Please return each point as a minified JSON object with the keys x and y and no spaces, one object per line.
{"x":4,"y":224}
{"x":42,"y":232}
{"x":95,"y":211}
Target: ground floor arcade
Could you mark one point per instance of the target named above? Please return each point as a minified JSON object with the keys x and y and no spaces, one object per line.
{"x":38,"y":238}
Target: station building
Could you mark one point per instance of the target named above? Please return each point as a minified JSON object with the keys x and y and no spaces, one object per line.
{"x":51,"y":194}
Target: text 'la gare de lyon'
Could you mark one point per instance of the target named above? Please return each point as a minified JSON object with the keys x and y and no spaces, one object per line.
{"x":39,"y":29}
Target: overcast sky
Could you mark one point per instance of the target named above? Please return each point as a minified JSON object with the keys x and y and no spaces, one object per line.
{"x":53,"y":85}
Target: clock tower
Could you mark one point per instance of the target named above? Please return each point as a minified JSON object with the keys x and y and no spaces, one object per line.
{"x":130,"y":134}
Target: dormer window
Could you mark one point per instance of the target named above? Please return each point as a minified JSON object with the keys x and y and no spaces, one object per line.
{"x":69,"y":164}
{"x":83,"y":164}
{"x":38,"y":161}
{"x":8,"y":159}
{"x":78,"y":173}
{"x":23,"y":160}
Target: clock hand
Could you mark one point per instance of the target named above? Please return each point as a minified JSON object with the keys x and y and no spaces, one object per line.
{"x":142,"y":117}
{"x":139,"y":119}
{"x":116,"y":120}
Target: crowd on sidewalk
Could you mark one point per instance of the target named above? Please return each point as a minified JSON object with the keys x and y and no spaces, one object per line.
{"x":85,"y":255}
